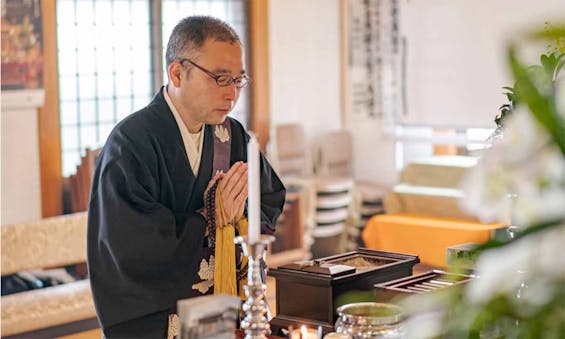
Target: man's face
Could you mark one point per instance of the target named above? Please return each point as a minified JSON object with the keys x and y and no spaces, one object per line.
{"x":201,"y":99}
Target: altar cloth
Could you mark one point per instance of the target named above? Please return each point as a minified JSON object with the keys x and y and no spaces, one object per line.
{"x":425,"y":236}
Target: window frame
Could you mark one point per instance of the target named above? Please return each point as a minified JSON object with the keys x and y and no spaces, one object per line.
{"x":49,"y":119}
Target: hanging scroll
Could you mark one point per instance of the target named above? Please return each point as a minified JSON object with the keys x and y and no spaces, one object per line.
{"x":372,"y":33}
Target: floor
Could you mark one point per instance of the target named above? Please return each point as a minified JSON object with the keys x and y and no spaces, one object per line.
{"x":271,"y":300}
{"x":92,"y":334}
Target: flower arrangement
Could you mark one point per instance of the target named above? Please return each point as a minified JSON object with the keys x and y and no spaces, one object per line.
{"x":521,"y":289}
{"x":547,"y":72}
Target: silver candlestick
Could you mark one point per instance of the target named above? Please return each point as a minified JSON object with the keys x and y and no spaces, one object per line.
{"x":255,"y":323}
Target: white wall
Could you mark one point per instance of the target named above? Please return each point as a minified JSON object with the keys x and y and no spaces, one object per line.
{"x":305,"y":64}
{"x":456,"y":55}
{"x":305,"y":67}
{"x":373,"y":152}
{"x":21,"y":187}
{"x":305,"y":80}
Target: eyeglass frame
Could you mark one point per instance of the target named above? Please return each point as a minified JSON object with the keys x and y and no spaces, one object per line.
{"x":233,"y":80}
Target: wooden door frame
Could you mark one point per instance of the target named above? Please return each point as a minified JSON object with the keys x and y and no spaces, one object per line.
{"x":48,"y":118}
{"x":259,"y":121}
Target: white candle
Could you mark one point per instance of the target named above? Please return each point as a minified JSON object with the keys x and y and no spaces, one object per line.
{"x":304,"y":333}
{"x":254,"y":192}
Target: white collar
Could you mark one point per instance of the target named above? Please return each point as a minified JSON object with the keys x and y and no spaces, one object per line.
{"x":193,"y":150}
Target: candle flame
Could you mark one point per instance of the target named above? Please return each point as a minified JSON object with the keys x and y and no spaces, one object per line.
{"x":303,"y":330}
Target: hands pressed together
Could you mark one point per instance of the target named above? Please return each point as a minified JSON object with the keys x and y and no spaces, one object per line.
{"x":233,"y":185}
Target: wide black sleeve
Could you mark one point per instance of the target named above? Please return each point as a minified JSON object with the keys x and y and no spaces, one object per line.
{"x":142,"y":255}
{"x":273,"y":191}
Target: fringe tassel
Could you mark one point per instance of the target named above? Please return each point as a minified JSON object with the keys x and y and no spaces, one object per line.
{"x":225,"y":280}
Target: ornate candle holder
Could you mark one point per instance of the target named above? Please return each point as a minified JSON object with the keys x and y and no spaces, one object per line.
{"x":255,"y":323}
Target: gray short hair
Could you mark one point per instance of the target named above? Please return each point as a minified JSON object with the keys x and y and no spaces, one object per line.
{"x":190,"y":33}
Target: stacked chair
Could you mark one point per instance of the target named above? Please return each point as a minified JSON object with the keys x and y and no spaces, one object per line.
{"x":80,"y":182}
{"x":335,"y":207}
{"x":366,"y":198}
{"x":369,"y":201}
{"x":291,"y":159}
{"x":333,"y":213}
{"x":334,"y":194}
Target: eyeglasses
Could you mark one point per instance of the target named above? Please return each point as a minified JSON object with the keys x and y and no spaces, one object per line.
{"x":224,"y":79}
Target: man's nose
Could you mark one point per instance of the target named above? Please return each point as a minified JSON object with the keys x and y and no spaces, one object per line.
{"x":230,"y":92}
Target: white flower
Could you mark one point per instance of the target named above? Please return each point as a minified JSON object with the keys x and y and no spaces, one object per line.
{"x":524,"y":165}
{"x":523,"y":137}
{"x":548,"y":261}
{"x":498,"y":269}
{"x":424,"y":325}
{"x":533,"y":262}
{"x":206,"y":273}
{"x":538,"y":207}
{"x":486,"y":188}
{"x":222,"y":133}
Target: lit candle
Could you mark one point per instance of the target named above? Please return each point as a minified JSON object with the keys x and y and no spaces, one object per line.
{"x":254,"y":193}
{"x":304,"y":333}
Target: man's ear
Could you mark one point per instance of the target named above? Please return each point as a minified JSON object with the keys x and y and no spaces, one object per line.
{"x":174,"y":71}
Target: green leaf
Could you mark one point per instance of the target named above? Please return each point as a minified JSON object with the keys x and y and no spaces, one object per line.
{"x":559,"y":65}
{"x":541,"y":107}
{"x":548,"y":63}
{"x":527,"y":231}
{"x":544,"y":59}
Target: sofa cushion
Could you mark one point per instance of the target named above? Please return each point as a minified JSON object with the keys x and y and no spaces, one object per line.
{"x":50,"y":242}
{"x":432,"y":201}
{"x":437,"y":171}
{"x":47,"y":307}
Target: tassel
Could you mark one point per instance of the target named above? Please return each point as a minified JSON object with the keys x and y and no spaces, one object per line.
{"x":225,"y":280}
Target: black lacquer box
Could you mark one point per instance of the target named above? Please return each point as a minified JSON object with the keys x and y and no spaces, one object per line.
{"x":307,"y":291}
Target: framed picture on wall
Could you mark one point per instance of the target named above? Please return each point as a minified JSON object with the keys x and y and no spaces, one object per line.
{"x":22,"y":54}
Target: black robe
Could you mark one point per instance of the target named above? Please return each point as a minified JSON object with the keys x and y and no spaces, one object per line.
{"x":144,"y":234}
